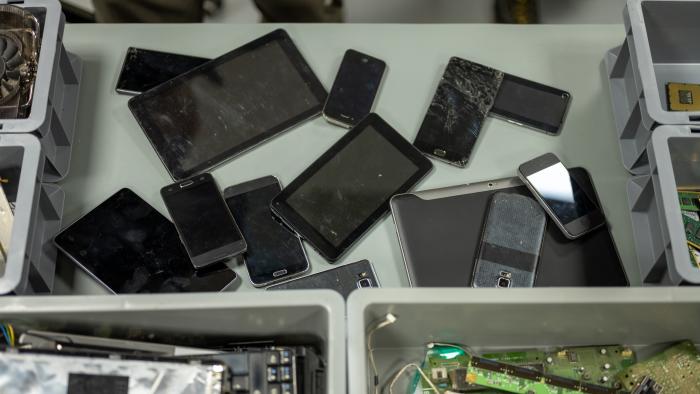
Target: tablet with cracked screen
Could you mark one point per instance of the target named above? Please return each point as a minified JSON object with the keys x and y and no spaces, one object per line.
{"x":463,"y":100}
{"x":346,"y":190}
{"x":214,"y":112}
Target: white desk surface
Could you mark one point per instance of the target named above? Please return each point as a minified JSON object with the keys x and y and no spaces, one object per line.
{"x":112,"y":152}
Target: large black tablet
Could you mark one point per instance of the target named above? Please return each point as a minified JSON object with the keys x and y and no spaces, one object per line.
{"x":228,"y":105}
{"x":129,"y":247}
{"x":334,"y":201}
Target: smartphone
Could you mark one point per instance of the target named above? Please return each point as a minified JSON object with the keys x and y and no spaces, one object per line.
{"x":531,"y":104}
{"x":203,"y":220}
{"x":461,"y":103}
{"x":564,"y":200}
{"x":274,"y":253}
{"x":144,"y":69}
{"x":355,"y":87}
{"x":344,"y":279}
{"x":511,"y":242}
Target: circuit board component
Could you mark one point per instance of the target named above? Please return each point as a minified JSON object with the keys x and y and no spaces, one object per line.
{"x":676,"y":370}
{"x":689,"y":200}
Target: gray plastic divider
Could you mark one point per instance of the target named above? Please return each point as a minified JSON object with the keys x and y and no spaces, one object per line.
{"x":21,"y":162}
{"x":298,"y":317}
{"x":498,"y":319}
{"x":659,"y":232}
{"x":55,"y":100}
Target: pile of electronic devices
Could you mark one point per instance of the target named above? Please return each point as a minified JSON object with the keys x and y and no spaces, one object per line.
{"x":199,"y":113}
{"x":35,"y":361}
{"x":609,"y":369}
{"x":39,"y":85}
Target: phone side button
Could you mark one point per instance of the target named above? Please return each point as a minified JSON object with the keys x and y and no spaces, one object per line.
{"x":279,"y":273}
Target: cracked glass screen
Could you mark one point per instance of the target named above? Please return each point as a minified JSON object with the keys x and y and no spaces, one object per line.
{"x":345,"y":192}
{"x":223,"y":109}
{"x":271,"y":247}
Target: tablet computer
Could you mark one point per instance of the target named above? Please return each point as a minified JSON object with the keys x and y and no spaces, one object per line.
{"x":129,"y":247}
{"x":228,"y":105}
{"x":439,"y":232}
{"x":345,"y":191}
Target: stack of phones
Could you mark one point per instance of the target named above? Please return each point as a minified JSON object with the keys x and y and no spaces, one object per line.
{"x":514,"y":230}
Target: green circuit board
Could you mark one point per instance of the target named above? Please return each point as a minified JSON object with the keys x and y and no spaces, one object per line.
{"x":563,"y":371}
{"x":689,"y":200}
{"x":692,"y":228}
{"x":592,"y":364}
{"x":675,"y":370}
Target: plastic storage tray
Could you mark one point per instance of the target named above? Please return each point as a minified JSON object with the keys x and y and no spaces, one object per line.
{"x":667,"y":50}
{"x":55,"y":102}
{"x":659,"y":233}
{"x":316,"y":316}
{"x":31,"y":260}
{"x":497,"y":319}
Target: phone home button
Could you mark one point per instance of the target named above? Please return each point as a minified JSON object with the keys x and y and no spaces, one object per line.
{"x":279,"y":273}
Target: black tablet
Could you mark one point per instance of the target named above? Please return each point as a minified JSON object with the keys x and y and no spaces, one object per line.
{"x":228,"y":105}
{"x":129,"y":247}
{"x":334,"y":201}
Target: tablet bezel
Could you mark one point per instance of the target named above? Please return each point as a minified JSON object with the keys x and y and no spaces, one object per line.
{"x":156,"y":138}
{"x":297,"y":222}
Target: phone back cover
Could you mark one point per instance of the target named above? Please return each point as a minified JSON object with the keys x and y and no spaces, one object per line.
{"x":439,"y":239}
{"x":463,"y":99}
{"x":343,"y":279}
{"x":511,"y":242}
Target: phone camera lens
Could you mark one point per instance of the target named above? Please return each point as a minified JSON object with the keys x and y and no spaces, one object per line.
{"x":364,"y":283}
{"x":503,"y":282}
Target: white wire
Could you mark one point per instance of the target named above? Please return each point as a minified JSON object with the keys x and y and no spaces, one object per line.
{"x":454,"y":345}
{"x":388,"y":320}
{"x":420,"y":371}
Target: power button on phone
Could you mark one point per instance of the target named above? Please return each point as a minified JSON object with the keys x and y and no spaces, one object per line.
{"x":279,"y":273}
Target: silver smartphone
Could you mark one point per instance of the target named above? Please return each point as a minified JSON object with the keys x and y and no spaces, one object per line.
{"x":564,"y":200}
{"x":511,"y":242}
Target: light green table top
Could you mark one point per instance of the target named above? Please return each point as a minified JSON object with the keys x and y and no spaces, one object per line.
{"x":112,"y":152}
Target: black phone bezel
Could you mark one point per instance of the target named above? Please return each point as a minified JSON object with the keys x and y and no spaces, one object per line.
{"x":215,"y":255}
{"x":247,"y":187}
{"x":526,"y":121}
{"x":339,"y":117}
{"x":294,"y":220}
{"x":156,"y":138}
{"x":121,"y":89}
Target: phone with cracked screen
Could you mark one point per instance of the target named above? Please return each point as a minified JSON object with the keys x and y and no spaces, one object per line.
{"x":129,"y":247}
{"x":274,"y":253}
{"x":531,"y":104}
{"x":352,"y":96}
{"x":510,"y":243}
{"x":144,"y":69}
{"x":344,"y":279}
{"x":462,"y":101}
{"x":564,"y":200}
{"x":204,"y":222}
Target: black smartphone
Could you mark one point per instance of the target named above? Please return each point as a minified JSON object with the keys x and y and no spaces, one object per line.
{"x":130,"y":247}
{"x":144,"y":69}
{"x":531,"y":104}
{"x":355,"y":87}
{"x":463,"y":99}
{"x":511,"y":242}
{"x":274,"y":253}
{"x":203,"y":220}
{"x":343,"y":279}
{"x":564,"y":200}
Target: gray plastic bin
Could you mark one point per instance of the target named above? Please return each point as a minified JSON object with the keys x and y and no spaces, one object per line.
{"x":315,"y":316}
{"x":667,"y":50}
{"x":55,"y":101}
{"x":659,"y":233}
{"x":31,"y":261}
{"x":498,"y":319}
